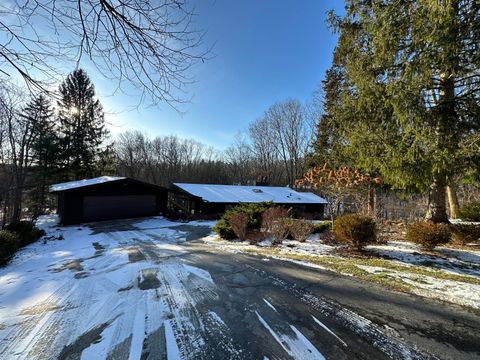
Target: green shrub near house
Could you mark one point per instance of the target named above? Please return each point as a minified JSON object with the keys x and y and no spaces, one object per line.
{"x":9,"y":244}
{"x":26,"y":231}
{"x":322,"y":226}
{"x":17,"y":235}
{"x":470,"y":212}
{"x":254,"y":212}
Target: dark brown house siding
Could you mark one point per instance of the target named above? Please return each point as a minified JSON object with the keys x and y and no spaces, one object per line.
{"x":116,"y":200}
{"x":194,"y":206}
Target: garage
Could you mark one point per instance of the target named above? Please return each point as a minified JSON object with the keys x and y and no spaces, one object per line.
{"x":114,"y":207}
{"x":108,"y":198}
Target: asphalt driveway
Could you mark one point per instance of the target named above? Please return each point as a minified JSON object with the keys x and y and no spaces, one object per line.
{"x":153,"y":290}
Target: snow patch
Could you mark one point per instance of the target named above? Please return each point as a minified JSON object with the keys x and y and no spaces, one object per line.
{"x":203,"y":274}
{"x":328,"y":330}
{"x":173,"y":352}
{"x":270,"y":305}
{"x":298,"y":346}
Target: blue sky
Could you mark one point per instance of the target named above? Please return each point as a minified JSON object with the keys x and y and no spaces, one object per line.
{"x":265,"y":51}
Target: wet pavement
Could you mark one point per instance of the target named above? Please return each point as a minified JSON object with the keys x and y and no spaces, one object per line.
{"x":157,"y":292}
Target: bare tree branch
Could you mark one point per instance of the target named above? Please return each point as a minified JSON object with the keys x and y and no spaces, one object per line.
{"x":150,"y":45}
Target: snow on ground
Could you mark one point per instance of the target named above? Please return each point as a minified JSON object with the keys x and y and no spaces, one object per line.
{"x":313,"y":245}
{"x":425,"y":274}
{"x":465,"y":262}
{"x":294,"y":344}
{"x":72,"y":295}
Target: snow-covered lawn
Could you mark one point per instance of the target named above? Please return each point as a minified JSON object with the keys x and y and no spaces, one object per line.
{"x":451,"y":275}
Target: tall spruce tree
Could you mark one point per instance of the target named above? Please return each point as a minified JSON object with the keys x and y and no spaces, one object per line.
{"x":82,"y":126}
{"x":39,"y":112}
{"x":407,"y":92}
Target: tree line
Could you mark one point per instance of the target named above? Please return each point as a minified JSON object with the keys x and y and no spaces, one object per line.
{"x":48,"y":140}
{"x":272,"y":150}
{"x":42,"y":143}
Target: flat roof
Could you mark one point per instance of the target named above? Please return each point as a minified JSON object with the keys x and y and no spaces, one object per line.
{"x":249,"y":194}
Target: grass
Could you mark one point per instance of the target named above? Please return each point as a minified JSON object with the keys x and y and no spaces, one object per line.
{"x":385,"y":276}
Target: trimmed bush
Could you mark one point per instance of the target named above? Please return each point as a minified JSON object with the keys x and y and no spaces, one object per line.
{"x":321,"y":227}
{"x":280,"y":230}
{"x":255,"y":236}
{"x":9,"y":244}
{"x":239,"y":223}
{"x":465,"y":233}
{"x":300,"y":229}
{"x":254,"y":212}
{"x":470,"y":212}
{"x":355,"y":230}
{"x":428,"y":235}
{"x":270,"y":216}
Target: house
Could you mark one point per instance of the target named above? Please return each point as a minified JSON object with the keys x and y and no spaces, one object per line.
{"x":215,"y":199}
{"x":106,"y":198}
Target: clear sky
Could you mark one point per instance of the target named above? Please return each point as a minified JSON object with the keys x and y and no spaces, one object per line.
{"x":264,"y":51}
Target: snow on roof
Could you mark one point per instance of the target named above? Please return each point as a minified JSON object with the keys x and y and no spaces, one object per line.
{"x":250,"y":194}
{"x":82,"y":183}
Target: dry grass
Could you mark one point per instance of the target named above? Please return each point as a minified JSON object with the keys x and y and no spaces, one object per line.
{"x":352,"y":266}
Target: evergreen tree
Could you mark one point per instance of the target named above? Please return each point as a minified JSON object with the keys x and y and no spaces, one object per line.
{"x":330,"y":147}
{"x":39,"y":112}
{"x":407,"y":100}
{"x":82,"y":126}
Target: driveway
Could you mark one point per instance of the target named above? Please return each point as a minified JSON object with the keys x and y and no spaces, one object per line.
{"x":150,"y":289}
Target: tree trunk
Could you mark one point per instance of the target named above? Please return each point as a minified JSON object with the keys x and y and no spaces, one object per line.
{"x":17,"y":197}
{"x":371,"y":201}
{"x":452,"y":201}
{"x":437,"y":209}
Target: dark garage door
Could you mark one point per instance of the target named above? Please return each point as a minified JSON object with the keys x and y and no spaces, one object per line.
{"x":117,"y":207}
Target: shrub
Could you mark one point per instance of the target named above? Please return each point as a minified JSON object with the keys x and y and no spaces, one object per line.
{"x":280,"y":230}
{"x":27,"y":231}
{"x":355,"y":230}
{"x":239,"y":223}
{"x":321,"y":227}
{"x":255,"y":236}
{"x":300,"y":229}
{"x":223,"y":229}
{"x":271,"y":215}
{"x":465,"y":233}
{"x":9,"y":244}
{"x":470,"y":212}
{"x":254,"y":212}
{"x":428,"y":235}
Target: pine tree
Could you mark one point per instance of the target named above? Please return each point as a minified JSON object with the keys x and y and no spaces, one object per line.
{"x":82,"y":126}
{"x":39,"y":112}
{"x":408,"y":105}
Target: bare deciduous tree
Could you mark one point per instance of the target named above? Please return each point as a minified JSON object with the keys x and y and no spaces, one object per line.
{"x":239,"y":160}
{"x":167,"y":159}
{"x":150,"y":44}
{"x":20,"y":135}
{"x":282,"y":134}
